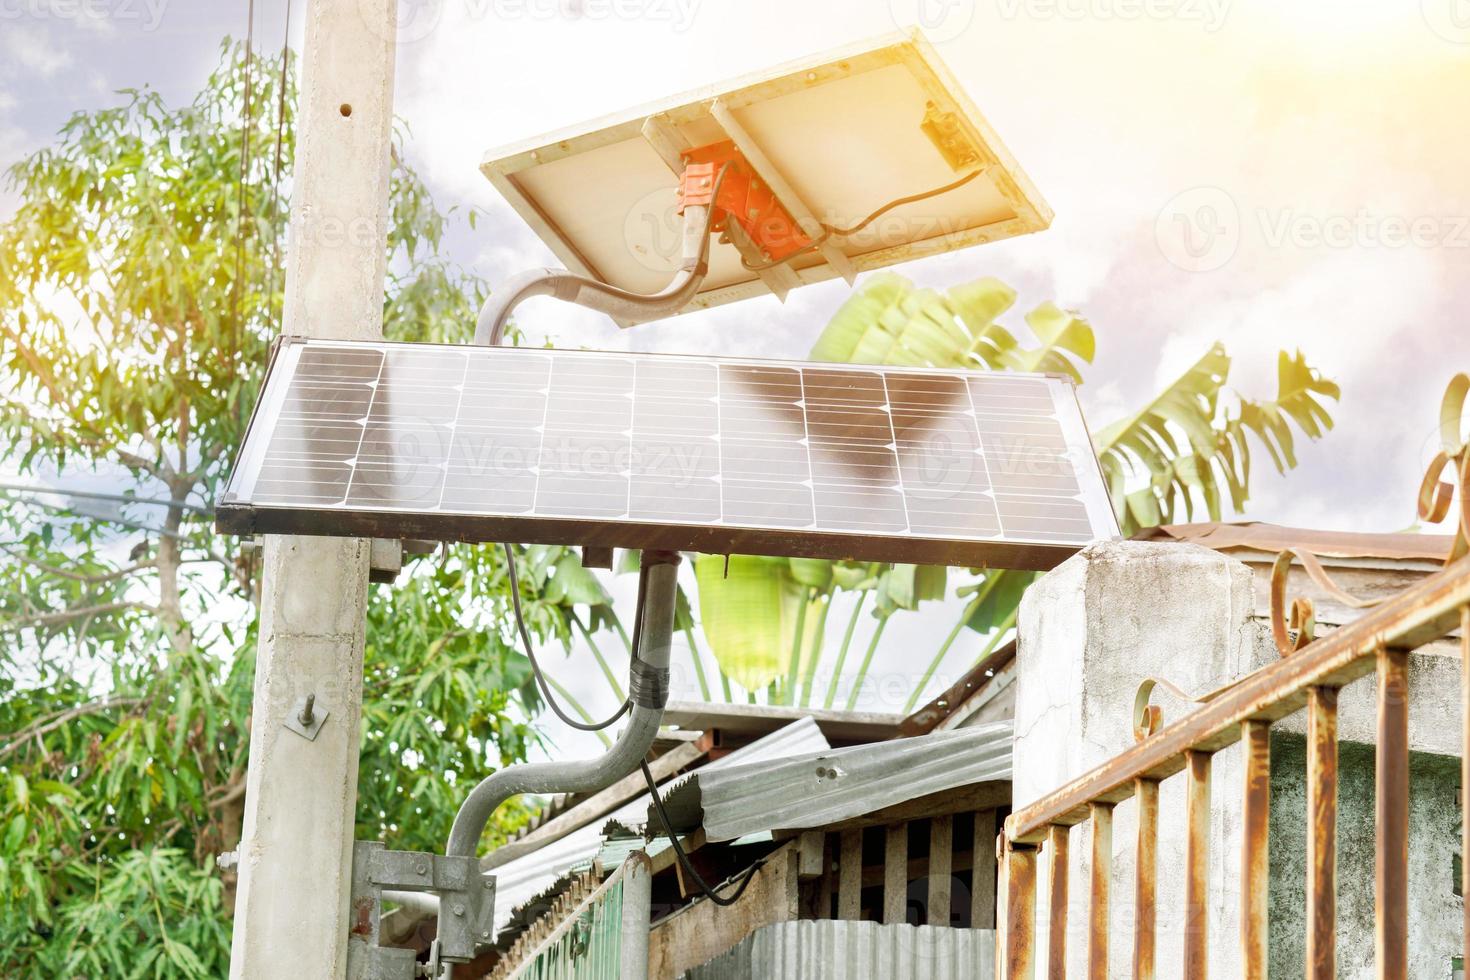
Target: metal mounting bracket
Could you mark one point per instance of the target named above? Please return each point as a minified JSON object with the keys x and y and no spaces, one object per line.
{"x":306,"y":717}
{"x":466,"y":905}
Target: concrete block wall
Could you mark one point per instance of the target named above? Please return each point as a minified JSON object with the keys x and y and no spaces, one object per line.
{"x":1436,"y":914}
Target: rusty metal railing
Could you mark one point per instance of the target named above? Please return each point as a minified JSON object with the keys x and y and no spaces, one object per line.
{"x":1308,"y":677}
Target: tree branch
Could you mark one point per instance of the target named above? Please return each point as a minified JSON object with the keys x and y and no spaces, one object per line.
{"x":43,"y":728}
{"x":232,"y":793}
{"x":78,"y":576}
{"x":65,"y":615}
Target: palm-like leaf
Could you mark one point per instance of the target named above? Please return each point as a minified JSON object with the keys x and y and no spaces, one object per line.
{"x":749,"y":614}
{"x":1185,"y":447}
{"x":890,"y":321}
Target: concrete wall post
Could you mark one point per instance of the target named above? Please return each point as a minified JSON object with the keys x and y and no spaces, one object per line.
{"x":1090,"y":632}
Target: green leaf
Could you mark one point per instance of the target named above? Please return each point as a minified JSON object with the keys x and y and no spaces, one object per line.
{"x":811,"y":571}
{"x":1216,"y":447}
{"x":14,"y":833}
{"x":748,"y":616}
{"x":572,"y":584}
{"x":1063,"y":335}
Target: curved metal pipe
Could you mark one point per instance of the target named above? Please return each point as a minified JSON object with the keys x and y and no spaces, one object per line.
{"x":661,"y":568}
{"x":589,"y":775}
{"x":595,"y":295}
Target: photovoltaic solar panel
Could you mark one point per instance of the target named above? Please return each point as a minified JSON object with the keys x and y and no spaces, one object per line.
{"x":676,"y":452}
{"x":834,"y":136}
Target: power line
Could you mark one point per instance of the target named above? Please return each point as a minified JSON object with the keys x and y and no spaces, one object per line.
{"x":98,"y":495}
{"x":242,"y":192}
{"x":276,"y":176}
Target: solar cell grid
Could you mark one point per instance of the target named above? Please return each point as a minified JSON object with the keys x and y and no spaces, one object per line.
{"x":683,"y":452}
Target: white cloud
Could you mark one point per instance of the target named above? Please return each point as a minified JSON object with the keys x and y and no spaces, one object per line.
{"x":30,"y":49}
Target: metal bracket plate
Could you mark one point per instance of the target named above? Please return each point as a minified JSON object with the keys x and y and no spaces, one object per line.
{"x":306,"y":717}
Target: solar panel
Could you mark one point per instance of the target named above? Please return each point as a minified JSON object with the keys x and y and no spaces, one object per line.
{"x":677,"y":452}
{"x":834,"y":137}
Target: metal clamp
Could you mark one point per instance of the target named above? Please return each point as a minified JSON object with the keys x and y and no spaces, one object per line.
{"x":466,"y":897}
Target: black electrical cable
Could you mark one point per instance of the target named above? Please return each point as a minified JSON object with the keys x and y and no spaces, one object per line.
{"x":700,"y":883}
{"x":828,"y":231}
{"x":242,"y":190}
{"x":912,"y":199}
{"x":515,"y":599}
{"x":275,"y":221}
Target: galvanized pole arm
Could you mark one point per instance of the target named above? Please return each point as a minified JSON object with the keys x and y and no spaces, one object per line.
{"x":649,"y":691}
{"x":584,"y":291}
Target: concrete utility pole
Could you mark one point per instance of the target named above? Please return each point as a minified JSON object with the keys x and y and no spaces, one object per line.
{"x":291,"y":914}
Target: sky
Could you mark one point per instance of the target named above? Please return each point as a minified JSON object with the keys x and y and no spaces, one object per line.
{"x":1272,"y":174}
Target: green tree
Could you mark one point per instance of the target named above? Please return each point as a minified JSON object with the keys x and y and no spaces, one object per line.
{"x":137,"y":299}
{"x":1188,"y":450}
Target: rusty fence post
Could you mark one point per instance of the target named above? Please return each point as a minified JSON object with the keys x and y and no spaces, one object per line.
{"x":1145,"y":887}
{"x":1196,"y":864}
{"x":1321,"y":833}
{"x":1255,"y":856}
{"x":1057,"y":839}
{"x":1391,"y":806}
{"x":1099,"y":917}
{"x":1019,"y":911}
{"x":1465,"y":770}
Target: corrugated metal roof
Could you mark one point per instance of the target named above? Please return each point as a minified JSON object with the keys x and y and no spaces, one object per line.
{"x":975,"y":680}
{"x":1273,"y":538}
{"x":615,"y":850}
{"x":827,"y":949}
{"x":748,"y":719}
{"x":826,"y":787}
{"x":523,"y":879}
